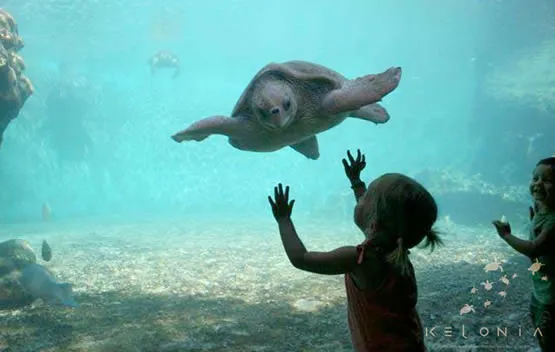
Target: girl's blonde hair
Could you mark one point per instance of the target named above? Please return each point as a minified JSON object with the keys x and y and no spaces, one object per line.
{"x":403,"y":213}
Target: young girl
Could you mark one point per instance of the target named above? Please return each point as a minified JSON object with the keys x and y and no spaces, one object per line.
{"x":395,"y":213}
{"x":540,"y":248}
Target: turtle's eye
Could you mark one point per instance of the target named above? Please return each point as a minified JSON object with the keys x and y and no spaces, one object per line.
{"x":287,"y":104}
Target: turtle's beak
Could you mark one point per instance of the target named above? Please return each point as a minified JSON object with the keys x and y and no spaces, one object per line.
{"x":279,"y":117}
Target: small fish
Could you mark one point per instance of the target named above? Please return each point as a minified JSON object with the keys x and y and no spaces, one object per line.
{"x":40,"y":283}
{"x":46,"y":212}
{"x":46,"y":251}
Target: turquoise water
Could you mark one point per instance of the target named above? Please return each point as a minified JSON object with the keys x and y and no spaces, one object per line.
{"x":136,"y":168}
{"x":473,"y":105}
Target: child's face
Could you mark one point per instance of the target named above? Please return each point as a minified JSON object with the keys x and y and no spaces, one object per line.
{"x":541,"y":186}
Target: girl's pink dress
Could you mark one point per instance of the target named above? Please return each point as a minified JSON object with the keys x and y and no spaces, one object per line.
{"x":384,"y":319}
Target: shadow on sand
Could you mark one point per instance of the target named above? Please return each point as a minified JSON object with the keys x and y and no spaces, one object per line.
{"x":139,"y":322}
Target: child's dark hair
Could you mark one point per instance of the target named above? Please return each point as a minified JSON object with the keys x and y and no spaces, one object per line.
{"x":403,"y":211}
{"x":547,"y":161}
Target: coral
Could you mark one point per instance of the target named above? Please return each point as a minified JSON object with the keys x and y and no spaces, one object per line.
{"x":15,"y":88}
{"x":529,"y":79}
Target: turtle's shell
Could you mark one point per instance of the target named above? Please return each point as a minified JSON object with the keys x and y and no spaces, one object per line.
{"x":14,"y":255}
{"x":18,"y":252}
{"x":297,"y":72}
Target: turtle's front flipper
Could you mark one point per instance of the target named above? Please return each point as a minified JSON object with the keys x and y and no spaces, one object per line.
{"x":202,"y":129}
{"x":374,"y":113}
{"x":362,"y":91}
{"x":308,"y":148}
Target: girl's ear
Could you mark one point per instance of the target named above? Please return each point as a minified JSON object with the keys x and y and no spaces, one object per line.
{"x":370,"y":231}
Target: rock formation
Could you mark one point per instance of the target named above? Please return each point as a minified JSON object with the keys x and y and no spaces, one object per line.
{"x":15,"y":88}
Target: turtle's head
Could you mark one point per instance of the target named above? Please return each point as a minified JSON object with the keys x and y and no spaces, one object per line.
{"x":274,"y":104}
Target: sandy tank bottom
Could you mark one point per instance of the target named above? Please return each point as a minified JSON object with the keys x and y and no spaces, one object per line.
{"x":175,"y":285}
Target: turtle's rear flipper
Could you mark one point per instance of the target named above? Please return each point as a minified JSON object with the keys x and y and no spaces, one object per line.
{"x":373,"y":113}
{"x":308,"y":148}
{"x":362,"y":91}
{"x":202,"y":129}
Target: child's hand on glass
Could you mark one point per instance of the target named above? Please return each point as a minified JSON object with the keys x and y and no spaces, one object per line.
{"x":503,"y":228}
{"x":354,"y":167}
{"x":281,"y":206}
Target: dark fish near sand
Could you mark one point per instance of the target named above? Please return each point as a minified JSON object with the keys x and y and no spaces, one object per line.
{"x":46,"y":252}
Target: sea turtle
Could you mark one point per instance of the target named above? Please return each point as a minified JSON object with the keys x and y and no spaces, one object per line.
{"x":22,"y":280}
{"x":164,"y":59}
{"x":288,"y":104}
